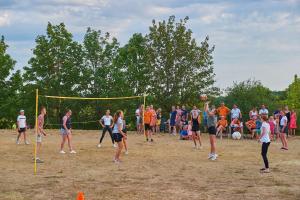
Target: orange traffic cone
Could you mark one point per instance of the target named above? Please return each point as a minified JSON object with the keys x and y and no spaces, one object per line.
{"x":80,"y":196}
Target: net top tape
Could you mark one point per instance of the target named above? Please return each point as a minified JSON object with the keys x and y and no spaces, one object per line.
{"x":92,"y":98}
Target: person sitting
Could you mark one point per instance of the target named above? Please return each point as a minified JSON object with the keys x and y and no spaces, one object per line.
{"x":222,"y":125}
{"x":236,"y":125}
{"x":184,"y":132}
{"x":251,"y":126}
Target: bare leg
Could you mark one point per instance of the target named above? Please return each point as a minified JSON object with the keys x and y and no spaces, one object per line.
{"x":38,"y":149}
{"x":212,"y":139}
{"x":69,"y":137}
{"x":125,"y":144}
{"x":194,"y":138}
{"x":18,"y":137}
{"x":118,"y":151}
{"x":24,"y":134}
{"x":63,"y":142}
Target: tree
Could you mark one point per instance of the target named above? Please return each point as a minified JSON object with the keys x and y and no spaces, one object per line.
{"x":250,"y":93}
{"x":181,"y":69}
{"x":293,"y":93}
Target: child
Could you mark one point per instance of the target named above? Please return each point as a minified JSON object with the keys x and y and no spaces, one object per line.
{"x":184,"y":132}
{"x":221,"y":125}
{"x":41,"y":132}
{"x":277,"y":127}
{"x":21,"y":124}
{"x":265,"y":140}
{"x":195,"y":119}
{"x":293,"y":122}
{"x":147,"y":120}
{"x":258,"y":124}
{"x":283,"y":130}
{"x":173,"y":115}
{"x":272,"y":127}
{"x":118,"y":134}
{"x":66,"y":133}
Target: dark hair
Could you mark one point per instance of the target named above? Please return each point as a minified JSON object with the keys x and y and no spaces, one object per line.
{"x":117,"y":115}
{"x":264,"y":117}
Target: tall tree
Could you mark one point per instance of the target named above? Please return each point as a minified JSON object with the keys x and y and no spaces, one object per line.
{"x":293,"y":93}
{"x":181,"y":68}
{"x":99,"y":54}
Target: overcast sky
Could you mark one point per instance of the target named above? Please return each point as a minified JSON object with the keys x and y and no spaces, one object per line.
{"x":254,"y":39}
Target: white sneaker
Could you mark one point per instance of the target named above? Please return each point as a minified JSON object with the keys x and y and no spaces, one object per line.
{"x":214,"y":157}
{"x":114,"y":145}
{"x":126,"y":153}
{"x":62,"y":152}
{"x":72,"y":151}
{"x":99,"y":145}
{"x":17,"y":142}
{"x":210,"y":156}
{"x":27,"y":143}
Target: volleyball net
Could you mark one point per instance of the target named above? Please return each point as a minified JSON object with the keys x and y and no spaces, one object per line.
{"x":86,"y":111}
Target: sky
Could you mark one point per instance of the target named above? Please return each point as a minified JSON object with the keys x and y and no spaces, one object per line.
{"x":257,"y":39}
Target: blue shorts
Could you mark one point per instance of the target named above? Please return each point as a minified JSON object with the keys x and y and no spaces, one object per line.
{"x":63,"y":131}
{"x":172,"y":123}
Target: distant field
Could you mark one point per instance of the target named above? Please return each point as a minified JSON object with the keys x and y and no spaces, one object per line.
{"x":167,"y":169}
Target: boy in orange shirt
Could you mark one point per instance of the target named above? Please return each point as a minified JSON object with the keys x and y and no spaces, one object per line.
{"x":221,"y":125}
{"x":223,"y":110}
{"x":147,"y":122}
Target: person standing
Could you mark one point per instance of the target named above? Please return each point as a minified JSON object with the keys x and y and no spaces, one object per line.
{"x":21,"y":124}
{"x":40,"y":133}
{"x":236,"y":112}
{"x":265,"y":140}
{"x":288,"y":116}
{"x":223,"y":110}
{"x":66,"y":132}
{"x":195,"y":119}
{"x":293,"y":123}
{"x":158,"y":120}
{"x":211,"y":127}
{"x":263,"y":111}
{"x":147,"y":120}
{"x":118,"y":134}
{"x":173,"y":115}
{"x":107,"y":124}
{"x":283,"y":130}
{"x":138,"y":119}
{"x":153,"y":120}
{"x":253,"y":113}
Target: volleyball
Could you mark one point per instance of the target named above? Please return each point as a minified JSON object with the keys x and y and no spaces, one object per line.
{"x":236,"y":135}
{"x":203,"y":97}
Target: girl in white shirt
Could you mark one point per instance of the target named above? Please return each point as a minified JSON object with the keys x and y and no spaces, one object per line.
{"x":265,"y":140}
{"x":283,"y":124}
{"x":107,"y":124}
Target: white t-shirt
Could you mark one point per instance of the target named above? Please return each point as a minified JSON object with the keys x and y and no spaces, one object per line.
{"x":235,"y":113}
{"x":283,"y":121}
{"x":107,"y":120}
{"x":195,"y":113}
{"x":22,"y":121}
{"x":137,"y":112}
{"x":253,"y":113}
{"x":265,"y":138}
{"x":263,"y":111}
{"x":116,"y":126}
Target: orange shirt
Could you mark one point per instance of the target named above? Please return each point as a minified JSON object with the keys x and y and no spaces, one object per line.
{"x":223,"y":122}
{"x":251,"y":124}
{"x":223,"y":111}
{"x":148,"y":117}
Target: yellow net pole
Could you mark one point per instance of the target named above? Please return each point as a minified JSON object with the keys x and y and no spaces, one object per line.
{"x":36,"y":127}
{"x":144,"y":114}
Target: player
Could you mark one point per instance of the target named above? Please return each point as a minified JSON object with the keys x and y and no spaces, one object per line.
{"x":107,"y":123}
{"x":40,"y":133}
{"x":21,"y":124}
{"x":66,"y":132}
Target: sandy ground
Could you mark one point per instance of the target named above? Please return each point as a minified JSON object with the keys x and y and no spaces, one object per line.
{"x":166,"y":169}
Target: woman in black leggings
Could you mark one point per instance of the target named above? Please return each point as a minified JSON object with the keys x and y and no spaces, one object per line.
{"x":107,"y":123}
{"x":265,"y":140}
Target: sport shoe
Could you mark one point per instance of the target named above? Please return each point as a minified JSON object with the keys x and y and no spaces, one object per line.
{"x":147,"y":139}
{"x":99,"y":145}
{"x":27,"y":143}
{"x":151,"y":140}
{"x":214,"y":157}
{"x":115,"y":146}
{"x":126,"y":153}
{"x":39,"y":160}
{"x":62,"y":152}
{"x":72,"y":151}
{"x":17,"y":142}
{"x":210,"y":156}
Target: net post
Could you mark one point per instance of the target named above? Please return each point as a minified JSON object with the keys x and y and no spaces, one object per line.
{"x":144,"y":114}
{"x":36,"y":127}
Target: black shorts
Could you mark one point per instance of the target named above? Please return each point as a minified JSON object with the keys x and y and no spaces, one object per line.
{"x":147,"y":127}
{"x":22,"y":130}
{"x":117,"y":137}
{"x":286,"y":130}
{"x":195,"y":128}
{"x":212,"y":130}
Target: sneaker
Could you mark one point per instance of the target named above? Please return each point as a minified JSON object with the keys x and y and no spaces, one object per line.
{"x":17,"y":142}
{"x":27,"y":143}
{"x":151,"y":140}
{"x":62,"y":152}
{"x":147,"y":139}
{"x":115,"y":145}
{"x":126,"y":153}
{"x":39,"y":160}
{"x":72,"y":151}
{"x":214,"y":157}
{"x":99,"y":145}
{"x":210,"y":156}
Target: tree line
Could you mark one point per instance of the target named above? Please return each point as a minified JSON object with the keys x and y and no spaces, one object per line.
{"x":167,"y":64}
